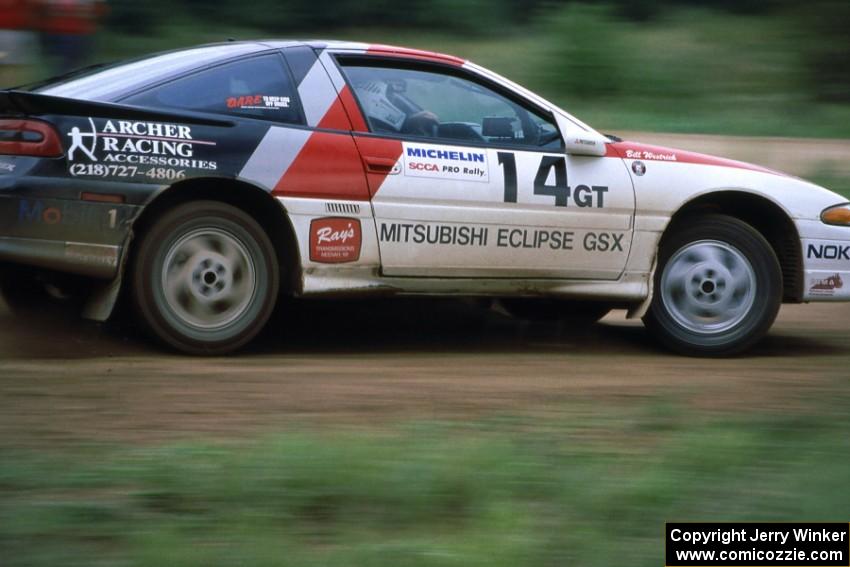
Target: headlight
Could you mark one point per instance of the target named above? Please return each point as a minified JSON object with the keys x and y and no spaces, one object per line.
{"x":839,"y":215}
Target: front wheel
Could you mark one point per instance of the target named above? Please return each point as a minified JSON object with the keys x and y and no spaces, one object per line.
{"x":718,"y":288}
{"x":205,"y":278}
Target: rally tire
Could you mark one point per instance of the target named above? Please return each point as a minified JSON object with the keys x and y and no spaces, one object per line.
{"x":205,"y":278}
{"x":717,"y":288}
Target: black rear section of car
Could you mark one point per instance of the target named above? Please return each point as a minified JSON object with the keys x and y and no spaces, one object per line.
{"x":91,"y":160}
{"x":74,"y":174}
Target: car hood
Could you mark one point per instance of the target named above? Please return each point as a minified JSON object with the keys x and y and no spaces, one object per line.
{"x":635,"y":151}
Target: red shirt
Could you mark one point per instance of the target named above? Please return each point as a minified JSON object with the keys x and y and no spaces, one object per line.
{"x":16,"y":14}
{"x":73,"y":17}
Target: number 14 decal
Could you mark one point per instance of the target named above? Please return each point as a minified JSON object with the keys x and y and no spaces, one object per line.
{"x":583,"y":195}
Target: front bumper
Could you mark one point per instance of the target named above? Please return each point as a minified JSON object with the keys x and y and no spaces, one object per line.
{"x":826,"y":261}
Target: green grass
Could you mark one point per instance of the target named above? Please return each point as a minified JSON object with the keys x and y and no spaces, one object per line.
{"x":509,"y":491}
{"x":831,"y":180}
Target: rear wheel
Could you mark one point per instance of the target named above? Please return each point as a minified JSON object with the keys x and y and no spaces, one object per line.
{"x":718,"y":288}
{"x":205,"y":278}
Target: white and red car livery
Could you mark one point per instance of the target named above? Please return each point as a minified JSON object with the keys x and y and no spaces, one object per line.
{"x":208,"y":180}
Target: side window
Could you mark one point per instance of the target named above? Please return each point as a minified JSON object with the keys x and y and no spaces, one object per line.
{"x":444,"y":105}
{"x":259,"y":87}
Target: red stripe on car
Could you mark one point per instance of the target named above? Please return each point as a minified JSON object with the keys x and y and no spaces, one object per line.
{"x":327,"y":167}
{"x":335,"y":118}
{"x":358,"y":124}
{"x":379,"y":157}
{"x":646,"y":152}
{"x":414,"y":54}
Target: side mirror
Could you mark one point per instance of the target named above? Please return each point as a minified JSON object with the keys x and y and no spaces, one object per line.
{"x":578,"y":141}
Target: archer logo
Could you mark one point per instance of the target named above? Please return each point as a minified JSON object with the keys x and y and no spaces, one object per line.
{"x":85,"y":142}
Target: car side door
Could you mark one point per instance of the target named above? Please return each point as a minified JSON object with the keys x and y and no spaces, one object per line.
{"x":471,"y":180}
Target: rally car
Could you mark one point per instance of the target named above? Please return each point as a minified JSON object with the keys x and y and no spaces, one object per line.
{"x":203,"y":183}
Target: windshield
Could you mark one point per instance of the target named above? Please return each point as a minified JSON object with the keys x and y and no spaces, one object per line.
{"x":109,"y":83}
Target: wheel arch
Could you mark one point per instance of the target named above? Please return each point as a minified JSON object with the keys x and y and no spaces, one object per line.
{"x":258,"y":203}
{"x":253,"y":200}
{"x":766,"y":216}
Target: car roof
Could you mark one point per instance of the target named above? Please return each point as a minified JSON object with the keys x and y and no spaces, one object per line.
{"x":106,"y":82}
{"x":367,"y":48}
{"x":111,"y":82}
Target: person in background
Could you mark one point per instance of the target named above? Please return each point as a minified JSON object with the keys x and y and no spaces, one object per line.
{"x":17,"y":41}
{"x":67,"y":29}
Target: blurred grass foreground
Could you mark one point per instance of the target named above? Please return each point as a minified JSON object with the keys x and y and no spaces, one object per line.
{"x":509,"y":492}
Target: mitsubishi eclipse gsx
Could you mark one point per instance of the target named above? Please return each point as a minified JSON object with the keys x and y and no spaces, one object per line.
{"x":201,"y":184}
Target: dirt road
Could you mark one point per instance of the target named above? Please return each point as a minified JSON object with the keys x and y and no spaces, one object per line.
{"x":363,"y":364}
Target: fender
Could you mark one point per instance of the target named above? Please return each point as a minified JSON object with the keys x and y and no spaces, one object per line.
{"x":263,"y":207}
{"x":758,"y":208}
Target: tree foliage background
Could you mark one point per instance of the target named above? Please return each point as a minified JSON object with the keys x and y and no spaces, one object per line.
{"x":585,"y":39}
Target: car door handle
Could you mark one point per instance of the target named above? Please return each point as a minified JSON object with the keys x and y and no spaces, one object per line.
{"x":381,"y":165}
